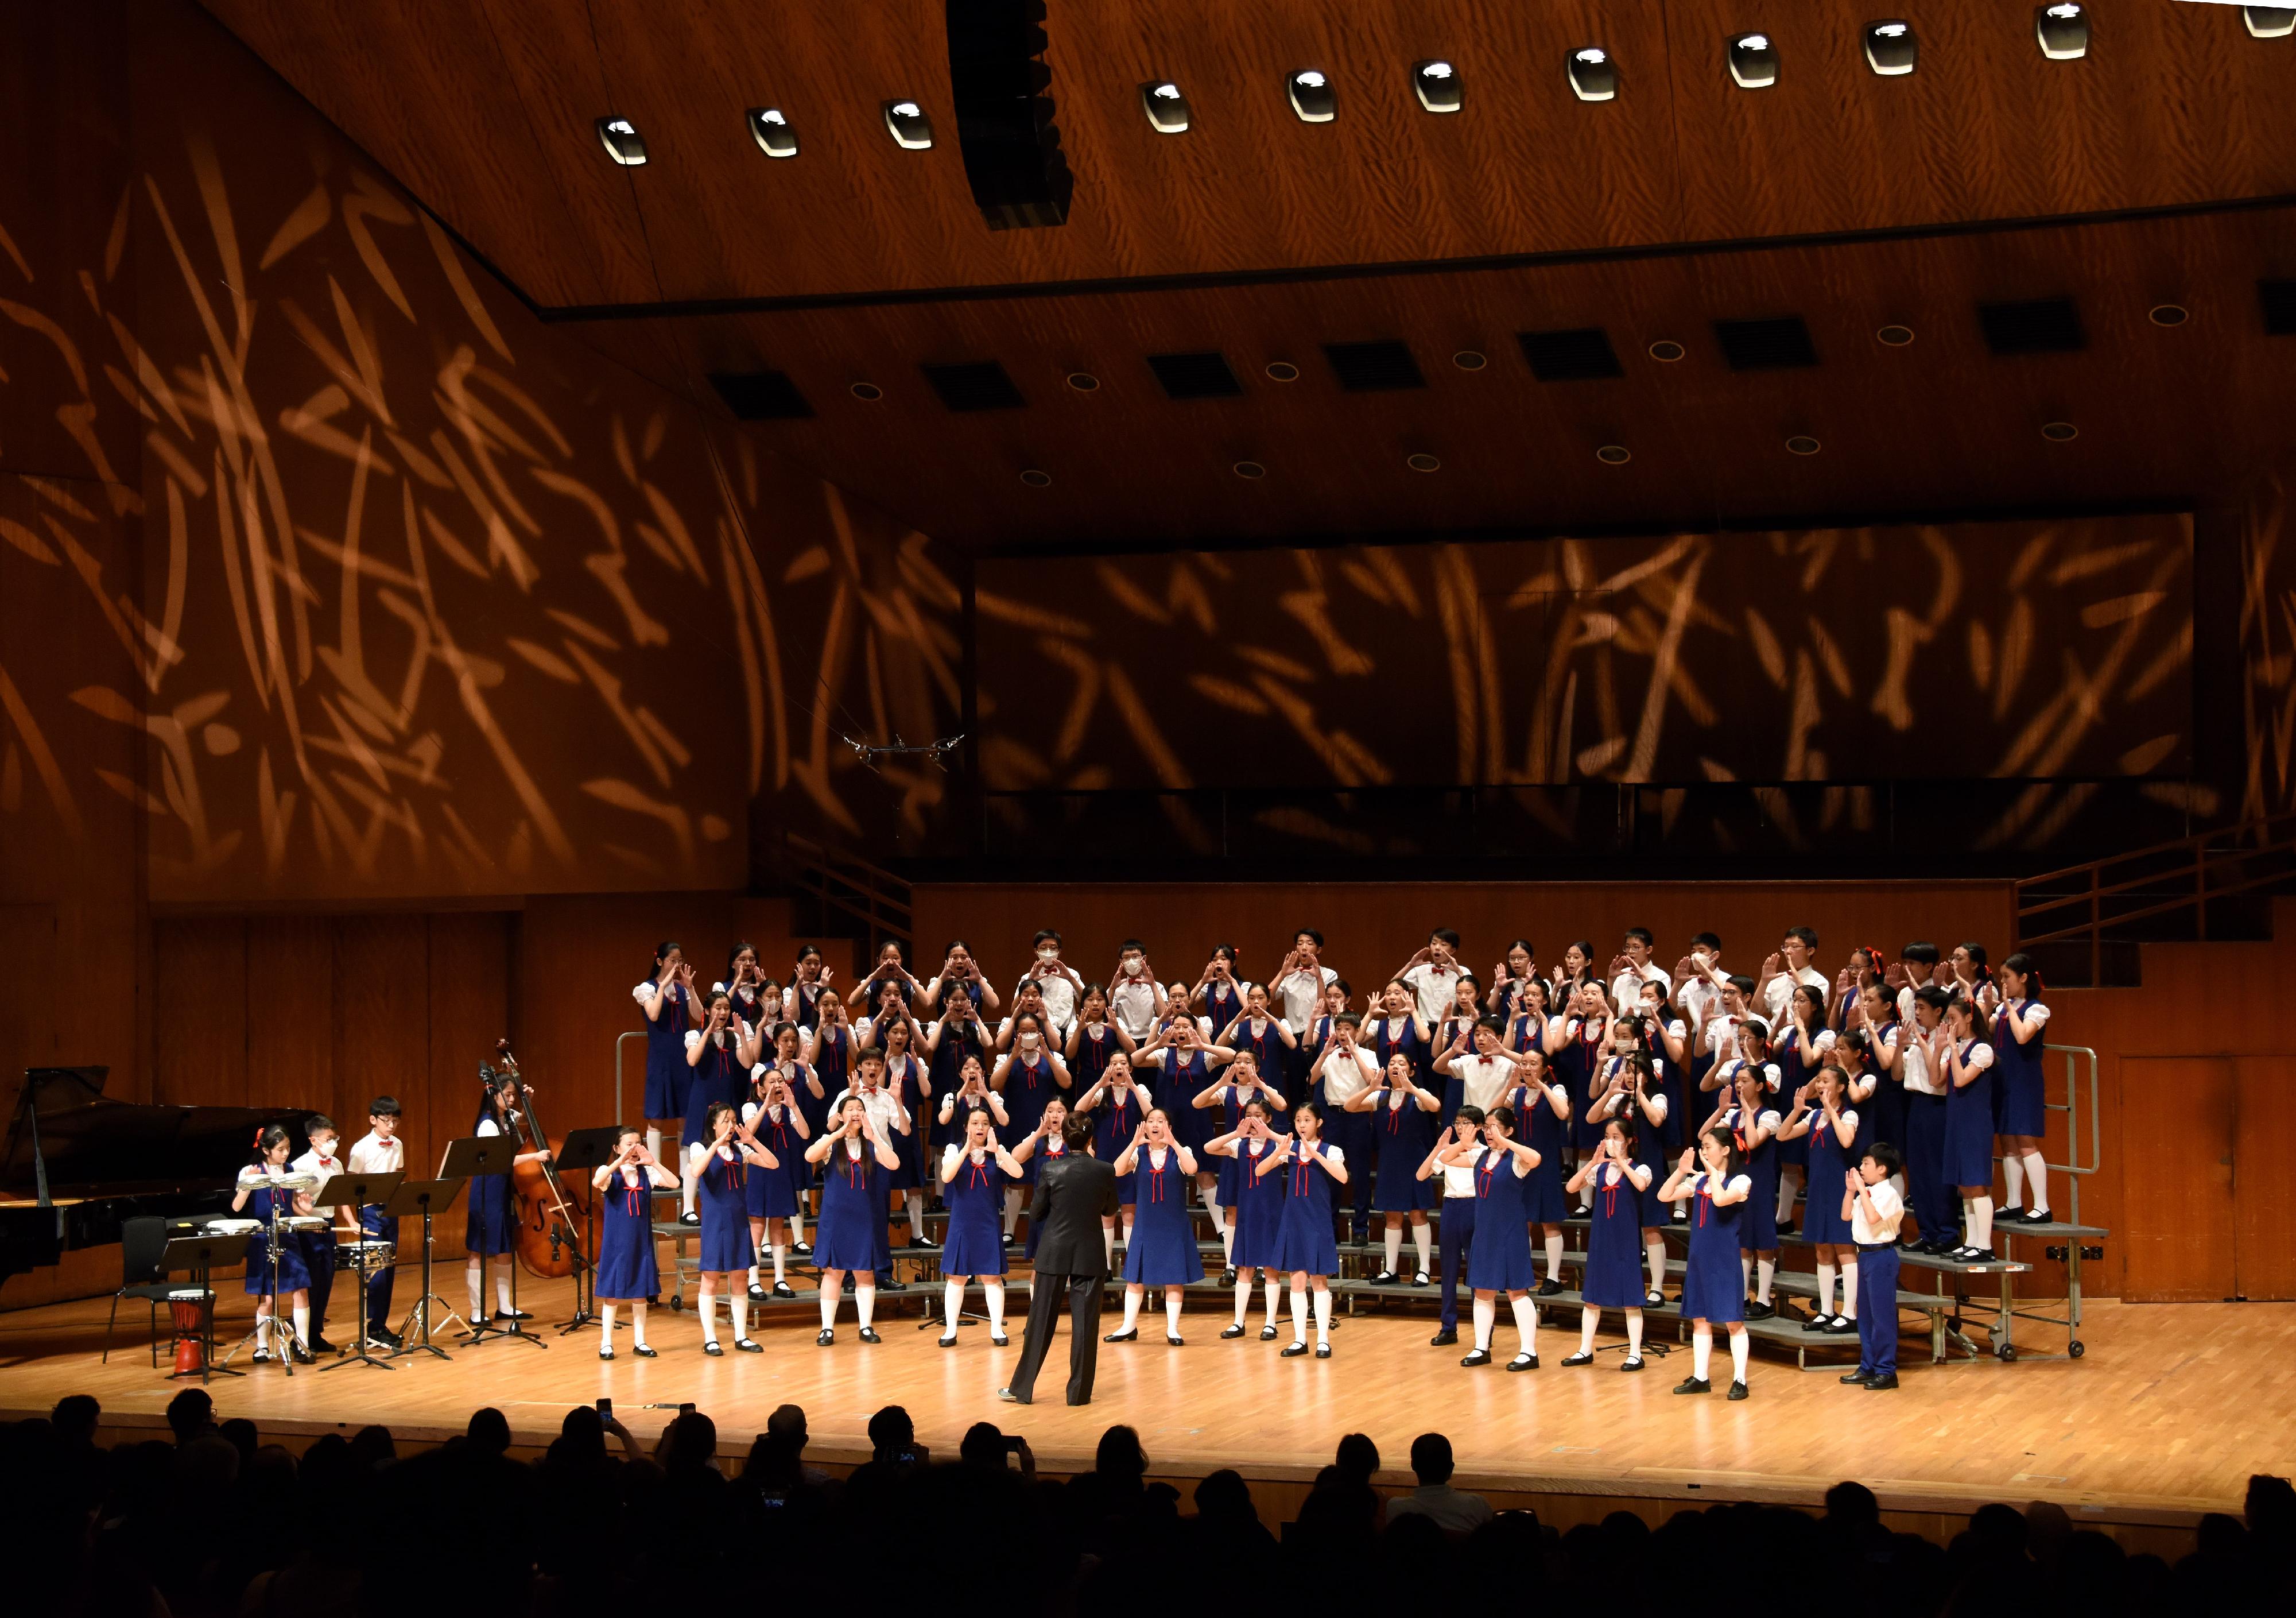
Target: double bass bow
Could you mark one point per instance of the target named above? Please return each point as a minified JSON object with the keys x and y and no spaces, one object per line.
{"x":549,"y":1211}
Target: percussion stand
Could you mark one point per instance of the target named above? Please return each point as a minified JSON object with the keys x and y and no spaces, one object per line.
{"x":354,"y":1191}
{"x":421,"y":1198}
{"x":202,"y":1255}
{"x":584,"y":1154}
{"x":269,"y":1327}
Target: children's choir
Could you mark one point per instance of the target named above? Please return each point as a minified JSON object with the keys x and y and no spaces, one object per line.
{"x":1480,"y":1114}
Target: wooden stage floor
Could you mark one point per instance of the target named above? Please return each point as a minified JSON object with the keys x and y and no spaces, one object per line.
{"x":2171,"y":1411}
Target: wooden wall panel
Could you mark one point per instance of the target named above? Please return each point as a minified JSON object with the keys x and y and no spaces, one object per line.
{"x":200,"y":1011}
{"x":1371,"y":928}
{"x":2264,"y":1206}
{"x":291,"y":986}
{"x":2179,"y":1195}
{"x":382,"y":1013}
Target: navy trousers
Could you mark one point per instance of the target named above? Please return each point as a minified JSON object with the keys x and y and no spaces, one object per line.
{"x":1877,"y":1310}
{"x":1456,"y":1228}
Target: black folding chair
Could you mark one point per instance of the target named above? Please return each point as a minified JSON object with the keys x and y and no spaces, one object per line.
{"x":141,"y":1243}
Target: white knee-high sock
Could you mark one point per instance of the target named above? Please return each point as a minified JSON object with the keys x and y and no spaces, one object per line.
{"x":917,"y":1204}
{"x":1243,"y":1299}
{"x":1526,"y":1324}
{"x":1741,"y":1344}
{"x":2036,"y":1177}
{"x":653,"y":1144}
{"x":1487,"y":1318}
{"x":1393,"y":1236}
{"x":686,"y":1193}
{"x":1765,"y":1270}
{"x":1585,"y":1193}
{"x":1554,"y":1256}
{"x":780,"y":1259}
{"x":502,"y":1285}
{"x":706,"y":1304}
{"x":1701,"y":1350}
{"x":1825,"y":1286}
{"x":1172,"y":1311}
{"x":2013,"y":1179}
{"x":1127,"y":1235}
{"x":1274,"y":1289}
{"x":1011,"y":1212}
{"x":1634,"y":1333}
{"x":606,"y":1326}
{"x":1132,"y":1297}
{"x":301,"y":1315}
{"x":864,"y":1302}
{"x":1422,"y":1237}
{"x":1298,"y":1312}
{"x":737,"y":1305}
{"x":1785,"y":1199}
{"x":829,"y":1303}
{"x":637,"y":1323}
{"x":1324,"y":1317}
{"x":1745,"y":1270}
{"x":1850,"y":1288}
{"x":952,"y":1306}
{"x":996,"y":1290}
{"x":1980,"y":1221}
{"x":1654,"y":1250}
{"x":1107,"y":1244}
{"x":1219,"y":1214}
{"x":1588,"y":1317}
{"x":797,"y":1226}
{"x":474,"y":1275}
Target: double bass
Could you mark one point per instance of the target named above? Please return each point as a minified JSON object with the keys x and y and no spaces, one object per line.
{"x":550,"y":1210}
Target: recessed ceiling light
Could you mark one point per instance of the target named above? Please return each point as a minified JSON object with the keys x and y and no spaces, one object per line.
{"x":1036,"y":480}
{"x":1593,"y":76}
{"x":1166,"y":106}
{"x":772,"y":132}
{"x":2269,"y":21}
{"x":1249,"y":469}
{"x":1666,"y":351}
{"x":1283,"y":371}
{"x":2063,"y":30}
{"x":1801,"y":443}
{"x":1312,"y":97}
{"x":1422,"y":463}
{"x":868,"y":393}
{"x":2167,"y":314}
{"x":907,"y":123}
{"x":1437,"y":85}
{"x":1753,"y":61}
{"x":2060,"y":432}
{"x":622,"y":142}
{"x":1468,"y":360}
{"x":1613,"y":455}
{"x":1083,"y":381}
{"x":1891,"y":48}
{"x":1897,"y":337}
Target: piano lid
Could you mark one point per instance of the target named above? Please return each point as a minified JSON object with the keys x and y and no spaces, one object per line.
{"x":91,"y":1145}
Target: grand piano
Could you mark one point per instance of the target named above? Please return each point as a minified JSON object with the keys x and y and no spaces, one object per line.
{"x":79,"y":1163}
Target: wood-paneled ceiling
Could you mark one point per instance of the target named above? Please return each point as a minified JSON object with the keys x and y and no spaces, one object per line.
{"x":485,"y":109}
{"x":2160,"y":169}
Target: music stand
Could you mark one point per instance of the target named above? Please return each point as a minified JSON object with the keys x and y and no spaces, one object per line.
{"x":487,"y":1157}
{"x":343,"y":1189}
{"x":423,"y":1198}
{"x":200,"y":1256}
{"x":584,"y":1154}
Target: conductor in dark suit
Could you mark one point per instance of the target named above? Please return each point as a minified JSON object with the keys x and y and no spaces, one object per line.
{"x":1074,"y":1193}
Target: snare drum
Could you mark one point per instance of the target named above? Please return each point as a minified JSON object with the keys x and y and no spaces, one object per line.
{"x":304,"y":1224}
{"x":366,"y":1256}
{"x":234,"y":1227}
{"x":188,"y":1308}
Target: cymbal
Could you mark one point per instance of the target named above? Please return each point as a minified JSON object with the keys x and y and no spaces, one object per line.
{"x":296,"y":1182}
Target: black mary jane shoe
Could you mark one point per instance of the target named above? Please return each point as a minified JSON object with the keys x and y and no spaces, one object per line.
{"x":1632,"y":1364}
{"x":1581,"y":1357}
{"x":1228,"y":1277}
{"x":644,"y":1351}
{"x":824,"y":1337}
{"x":689,"y":1219}
{"x":1323,"y":1350}
{"x":758,"y":1294}
{"x":804,"y":1249}
{"x":1292,"y":1351}
{"x":783,"y":1289}
{"x":1760,"y":1312}
{"x":1385,"y":1277}
{"x":1653,"y":1299}
{"x":748,"y":1345}
{"x":2031,"y":1216}
{"x":1815,"y":1323}
{"x":1548,"y":1289}
{"x":605,"y":1353}
{"x":1132,"y":1336}
{"x":869,"y":1334}
{"x":1267,"y":1334}
{"x":1840,"y":1325}
{"x":1738,"y":1391}
{"x":512,"y":1314}
{"x":1233,"y":1332}
{"x":1175,"y":1341}
{"x":1523,"y":1362}
{"x":1420,"y":1277}
{"x":715,"y":1350}
{"x":949,"y":1341}
{"x":1000,"y":1343}
{"x":1479,"y":1357}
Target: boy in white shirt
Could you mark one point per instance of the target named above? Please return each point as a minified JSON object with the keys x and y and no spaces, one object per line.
{"x":379,"y":1150}
{"x":1485,"y":1077}
{"x":1432,"y":976}
{"x":1788,"y":968}
{"x":1300,"y":982}
{"x":1135,"y":999}
{"x":1932,"y":1201}
{"x":1874,"y":1212}
{"x":319,"y":1245}
{"x":1626,"y":987}
{"x":1056,"y":980}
